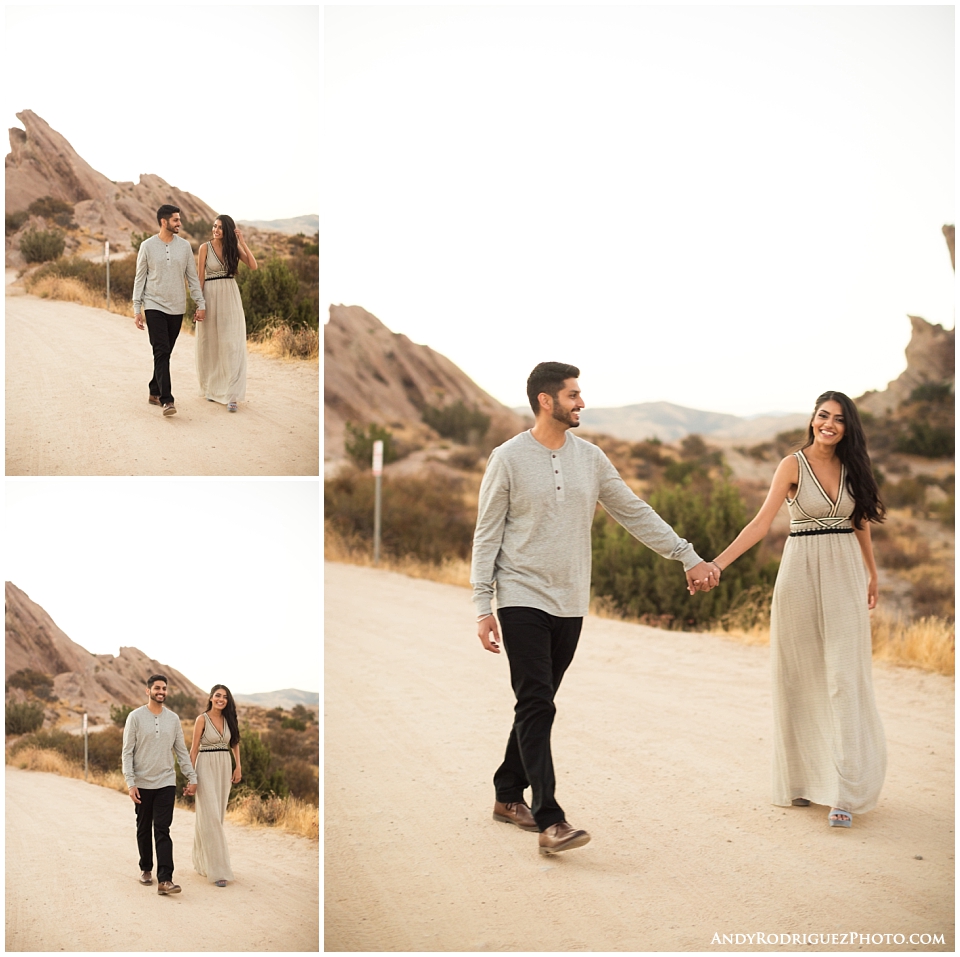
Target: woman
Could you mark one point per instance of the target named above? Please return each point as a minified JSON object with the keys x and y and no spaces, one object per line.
{"x":215,"y":734}
{"x":222,"y":336}
{"x":829,"y":746}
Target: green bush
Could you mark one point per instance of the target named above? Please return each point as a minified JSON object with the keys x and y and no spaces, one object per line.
{"x":639,"y":583}
{"x":23,"y":718}
{"x":909,"y":492}
{"x":13,"y":221}
{"x":457,"y":422}
{"x":41,"y":245}
{"x":181,"y":703}
{"x":303,"y":714}
{"x":293,"y":724}
{"x":270,"y":293}
{"x":424,"y":518}
{"x":260,"y":773}
{"x":199,"y":229}
{"x":119,"y":715}
{"x":49,"y":208}
{"x":358,"y":444}
{"x":930,"y":441}
{"x":138,"y":239}
{"x":39,"y":684}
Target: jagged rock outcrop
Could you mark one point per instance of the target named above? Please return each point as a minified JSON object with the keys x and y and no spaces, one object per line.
{"x":371,"y":374}
{"x":42,"y":163}
{"x":34,"y":641}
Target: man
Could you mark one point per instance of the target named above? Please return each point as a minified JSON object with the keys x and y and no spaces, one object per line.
{"x":532,"y":540}
{"x":151,"y":735}
{"x":163,"y":262}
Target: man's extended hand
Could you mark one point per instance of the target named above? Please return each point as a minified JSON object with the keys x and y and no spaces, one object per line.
{"x":200,"y":315}
{"x":489,"y":633}
{"x":703,"y":577}
{"x":134,"y":794}
{"x":138,"y":320}
{"x":189,"y":790}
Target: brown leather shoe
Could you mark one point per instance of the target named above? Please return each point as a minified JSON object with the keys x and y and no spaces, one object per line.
{"x":168,"y":887}
{"x":561,"y":837}
{"x":515,"y":813}
{"x":146,"y":877}
{"x":169,"y":409}
{"x":154,"y":400}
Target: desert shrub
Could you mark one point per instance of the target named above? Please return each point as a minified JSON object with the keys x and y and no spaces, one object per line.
{"x":932,"y":392}
{"x":302,"y":781}
{"x":270,"y":293}
{"x":637,"y":582}
{"x":281,"y":340}
{"x":23,"y":718}
{"x":930,"y":441}
{"x":104,"y":748}
{"x":456,"y":421}
{"x":119,"y":715}
{"x":27,"y":679}
{"x":286,"y":744}
{"x":946,"y":510}
{"x":13,"y":221}
{"x":200,"y":229}
{"x":49,"y":208}
{"x":427,"y":519}
{"x":358,"y":444}
{"x":260,"y":772}
{"x":293,"y":724}
{"x":650,"y":450}
{"x":92,"y":274}
{"x":902,"y":551}
{"x":41,"y":245}
{"x":182,"y":703}
{"x":138,"y":239}
{"x":909,"y":492}
{"x":934,"y":595}
{"x":303,"y":713}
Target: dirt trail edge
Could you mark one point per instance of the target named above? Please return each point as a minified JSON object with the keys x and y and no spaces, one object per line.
{"x":72,"y":879}
{"x":662,"y":750}
{"x":76,"y":403}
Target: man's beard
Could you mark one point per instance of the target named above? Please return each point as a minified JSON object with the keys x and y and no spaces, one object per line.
{"x":561,"y":415}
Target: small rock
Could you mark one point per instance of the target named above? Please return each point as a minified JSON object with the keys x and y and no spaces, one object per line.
{"x":918,"y":857}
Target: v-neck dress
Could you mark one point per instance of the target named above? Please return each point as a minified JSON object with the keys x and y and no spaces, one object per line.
{"x":214,"y":772}
{"x":221,"y":351}
{"x":828,"y":742}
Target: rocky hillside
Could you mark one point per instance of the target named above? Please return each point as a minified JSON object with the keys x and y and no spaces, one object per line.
{"x":81,"y":681}
{"x":42,"y":163}
{"x":373,"y":375}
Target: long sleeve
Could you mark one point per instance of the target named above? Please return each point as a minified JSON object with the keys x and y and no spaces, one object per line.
{"x":194,"y":283}
{"x":140,"y":279}
{"x":488,"y":536}
{"x":640,"y":520}
{"x":129,"y":744}
{"x":183,"y":756}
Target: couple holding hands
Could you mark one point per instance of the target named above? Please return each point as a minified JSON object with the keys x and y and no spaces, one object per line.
{"x":532,"y":550}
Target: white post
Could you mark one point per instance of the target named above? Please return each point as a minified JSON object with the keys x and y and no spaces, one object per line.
{"x":85,"y":753}
{"x":106,"y":255}
{"x":377,"y":470}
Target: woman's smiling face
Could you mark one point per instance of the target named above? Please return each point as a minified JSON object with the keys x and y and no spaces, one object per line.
{"x":219,"y":698}
{"x":828,"y":423}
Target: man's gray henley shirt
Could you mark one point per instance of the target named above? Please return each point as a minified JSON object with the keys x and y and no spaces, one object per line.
{"x":533,"y":528}
{"x":161,"y":269}
{"x":149,"y":741}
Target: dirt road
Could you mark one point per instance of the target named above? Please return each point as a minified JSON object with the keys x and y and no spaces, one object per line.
{"x":71,"y":879}
{"x":76,"y":403}
{"x":662,"y":749}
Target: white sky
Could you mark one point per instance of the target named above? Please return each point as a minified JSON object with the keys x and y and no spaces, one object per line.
{"x":221,"y":101}
{"x":219,"y":579}
{"x":730,"y":208}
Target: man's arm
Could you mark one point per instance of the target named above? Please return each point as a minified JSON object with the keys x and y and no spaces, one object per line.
{"x":487,"y":540}
{"x":641,"y":521}
{"x":196,"y":290}
{"x":139,"y":283}
{"x":126,"y":756}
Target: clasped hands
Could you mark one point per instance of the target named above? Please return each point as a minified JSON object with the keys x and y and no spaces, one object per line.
{"x":703,"y":577}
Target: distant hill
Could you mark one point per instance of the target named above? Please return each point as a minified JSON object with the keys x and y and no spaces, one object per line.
{"x":308,"y":225}
{"x":81,"y":680}
{"x":286,"y":699}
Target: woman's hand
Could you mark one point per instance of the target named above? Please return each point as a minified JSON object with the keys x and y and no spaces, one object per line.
{"x":236,"y":776}
{"x":872,"y":592}
{"x":240,"y":241}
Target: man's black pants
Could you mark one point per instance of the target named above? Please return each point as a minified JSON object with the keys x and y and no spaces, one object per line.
{"x":155,"y":814}
{"x":163,"y":330}
{"x":539,"y":648}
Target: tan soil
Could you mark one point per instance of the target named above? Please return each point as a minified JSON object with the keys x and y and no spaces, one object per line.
{"x":72,"y":879}
{"x":662,"y":750}
{"x":76,"y":403}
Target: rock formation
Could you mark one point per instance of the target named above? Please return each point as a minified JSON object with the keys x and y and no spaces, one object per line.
{"x":42,"y":163}
{"x":371,"y":374}
{"x":84,"y":680}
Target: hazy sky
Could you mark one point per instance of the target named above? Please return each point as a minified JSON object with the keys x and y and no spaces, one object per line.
{"x":729,"y":208}
{"x":221,"y":101}
{"x":219,"y":579}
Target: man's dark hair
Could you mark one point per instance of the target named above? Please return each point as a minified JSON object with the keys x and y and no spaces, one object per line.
{"x":166,"y":211}
{"x":153,"y":678}
{"x":548,"y":377}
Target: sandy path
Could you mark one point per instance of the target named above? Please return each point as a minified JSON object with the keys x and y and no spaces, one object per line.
{"x":76,"y":403}
{"x":662,"y":751}
{"x":71,"y":879}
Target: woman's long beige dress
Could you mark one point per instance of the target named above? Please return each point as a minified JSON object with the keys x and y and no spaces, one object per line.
{"x":214,"y":772}
{"x":222,"y":336}
{"x":828,"y":742}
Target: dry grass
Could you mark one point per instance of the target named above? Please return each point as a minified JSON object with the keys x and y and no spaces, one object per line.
{"x":288,"y":814}
{"x":72,"y":290}
{"x":282,"y":342}
{"x":339,"y":548}
{"x":927,"y":643}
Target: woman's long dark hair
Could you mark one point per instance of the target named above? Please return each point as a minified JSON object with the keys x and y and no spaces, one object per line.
{"x":229,"y":712}
{"x":852,"y":452}
{"x":231,"y":251}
